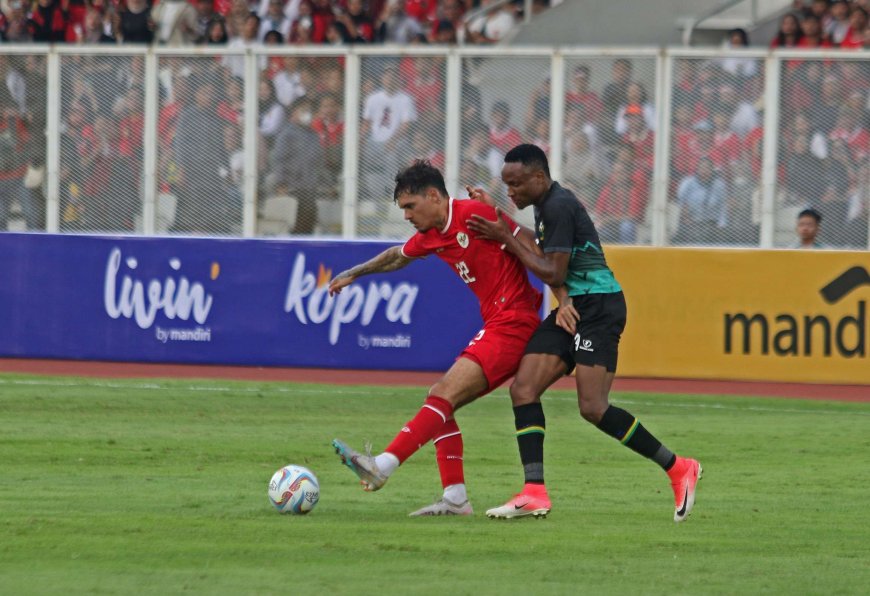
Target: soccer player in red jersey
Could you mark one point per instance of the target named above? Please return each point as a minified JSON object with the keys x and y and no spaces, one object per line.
{"x":509,"y":308}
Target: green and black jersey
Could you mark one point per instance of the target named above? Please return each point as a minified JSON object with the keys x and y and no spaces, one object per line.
{"x":563,"y":225}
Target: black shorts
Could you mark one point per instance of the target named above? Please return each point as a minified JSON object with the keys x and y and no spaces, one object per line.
{"x":602,"y":320}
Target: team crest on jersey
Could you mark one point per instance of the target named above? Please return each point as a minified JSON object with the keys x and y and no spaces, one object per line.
{"x":462,"y":239}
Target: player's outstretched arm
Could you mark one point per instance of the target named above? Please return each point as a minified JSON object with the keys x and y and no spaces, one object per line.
{"x":389,"y":260}
{"x":550,"y":268}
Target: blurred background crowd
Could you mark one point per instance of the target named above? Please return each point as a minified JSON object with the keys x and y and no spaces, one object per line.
{"x":610,"y":119}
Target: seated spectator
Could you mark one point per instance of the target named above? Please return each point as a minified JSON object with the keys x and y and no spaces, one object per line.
{"x":289,"y":8}
{"x":539,"y":133}
{"x":423,"y":147}
{"x":808,"y":227}
{"x":13,"y":165}
{"x":17,"y":28}
{"x":93,"y":30}
{"x":837,"y":24}
{"x":742,"y":115}
{"x":205,"y":14}
{"x":322,"y":16}
{"x":275,"y":19}
{"x":47,"y":22}
{"x":422,"y":11}
{"x":615,"y":96}
{"x":425,"y":80}
{"x":298,"y":165}
{"x":448,"y":22}
{"x":355,"y":25}
{"x":177,"y":21}
{"x":856,"y":34}
{"x":639,"y":137}
{"x":502,"y":135}
{"x":812,"y":34}
{"x":231,"y":107}
{"x":271,"y":112}
{"x":443,"y":32}
{"x":584,"y":168}
{"x":492,"y":26}
{"x":621,"y":206}
{"x":839,"y":185}
{"x":804,"y":173}
{"x":134,"y":23}
{"x":703,"y":207}
{"x":394,"y":25}
{"x":726,"y":144}
{"x":580,"y":93}
{"x":635,"y":96}
{"x":850,"y":129}
{"x":801,"y":125}
{"x":539,"y":105}
{"x":789,"y":33}
{"x":328,"y":123}
{"x":217,"y":33}
{"x":802,"y":84}
{"x":288,"y":82}
{"x":737,"y":66}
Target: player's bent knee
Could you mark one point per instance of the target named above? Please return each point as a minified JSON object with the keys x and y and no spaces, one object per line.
{"x":522,"y":395}
{"x":592,"y":410}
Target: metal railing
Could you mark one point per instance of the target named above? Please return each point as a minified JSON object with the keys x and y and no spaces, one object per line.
{"x":459,"y":93}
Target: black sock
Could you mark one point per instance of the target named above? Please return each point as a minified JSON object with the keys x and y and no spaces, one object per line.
{"x":530,"y":424}
{"x":628,"y":430}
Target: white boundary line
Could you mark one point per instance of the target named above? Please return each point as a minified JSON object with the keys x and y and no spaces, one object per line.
{"x":295,"y":389}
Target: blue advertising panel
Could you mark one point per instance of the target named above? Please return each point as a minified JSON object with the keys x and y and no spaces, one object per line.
{"x":226,"y":301}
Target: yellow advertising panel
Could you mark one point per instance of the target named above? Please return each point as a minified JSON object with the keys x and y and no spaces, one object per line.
{"x":788,"y":316}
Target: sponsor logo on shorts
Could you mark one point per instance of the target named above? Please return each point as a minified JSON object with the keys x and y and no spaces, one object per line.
{"x":583,"y":344}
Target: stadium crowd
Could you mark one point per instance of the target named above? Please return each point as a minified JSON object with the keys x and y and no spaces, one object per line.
{"x":610,"y":120}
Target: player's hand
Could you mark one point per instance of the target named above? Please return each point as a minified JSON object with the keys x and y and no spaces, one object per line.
{"x":339,"y":282}
{"x":478,"y":194}
{"x":567,"y":317}
{"x":496,"y":230}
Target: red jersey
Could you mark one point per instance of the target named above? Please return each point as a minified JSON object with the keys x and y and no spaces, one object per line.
{"x":497,"y":278}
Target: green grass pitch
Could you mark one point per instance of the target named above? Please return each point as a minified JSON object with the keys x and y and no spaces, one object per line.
{"x":159,"y":487}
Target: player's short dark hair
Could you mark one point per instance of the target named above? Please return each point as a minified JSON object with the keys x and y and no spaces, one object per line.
{"x":417,"y":178}
{"x":810,"y":212}
{"x":530,"y":156}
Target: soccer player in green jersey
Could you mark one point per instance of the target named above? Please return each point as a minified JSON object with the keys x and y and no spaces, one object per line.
{"x":582,"y":334}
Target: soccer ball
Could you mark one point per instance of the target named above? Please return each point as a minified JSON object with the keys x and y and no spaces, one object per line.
{"x":294,"y":489}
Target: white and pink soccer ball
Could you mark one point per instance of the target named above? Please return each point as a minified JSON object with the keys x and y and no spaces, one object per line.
{"x":294,"y":489}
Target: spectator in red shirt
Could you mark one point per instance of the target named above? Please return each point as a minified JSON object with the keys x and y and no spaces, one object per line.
{"x":639,"y":136}
{"x":789,"y":33}
{"x":502,"y":135}
{"x":856,"y":34}
{"x":621,"y":206}
{"x":850,"y":129}
{"x":726,"y":143}
{"x":580,"y":93}
{"x":48,"y":21}
{"x":812,"y":34}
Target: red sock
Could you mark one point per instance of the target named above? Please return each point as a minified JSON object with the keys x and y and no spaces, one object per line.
{"x":422,"y":428}
{"x":448,"y":452}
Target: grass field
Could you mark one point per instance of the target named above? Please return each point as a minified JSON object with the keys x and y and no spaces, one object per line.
{"x":159,"y":487}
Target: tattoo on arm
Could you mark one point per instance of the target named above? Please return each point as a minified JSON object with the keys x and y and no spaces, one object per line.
{"x":389,"y":260}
